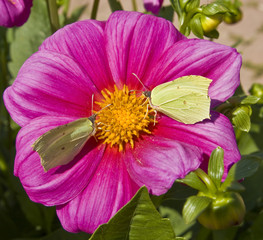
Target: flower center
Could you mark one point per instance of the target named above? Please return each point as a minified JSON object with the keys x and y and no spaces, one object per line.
{"x":126,"y":116}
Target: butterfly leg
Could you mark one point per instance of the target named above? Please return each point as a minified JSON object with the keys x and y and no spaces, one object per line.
{"x":155,"y":114}
{"x":147,"y":110}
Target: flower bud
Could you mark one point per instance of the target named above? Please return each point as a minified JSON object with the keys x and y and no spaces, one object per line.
{"x":210,"y":23}
{"x":246,"y":108}
{"x":257,"y":90}
{"x":231,"y":18}
{"x":226,"y":209}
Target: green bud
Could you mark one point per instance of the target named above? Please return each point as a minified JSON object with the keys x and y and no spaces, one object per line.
{"x":210,"y":23}
{"x":257,"y":90}
{"x":231,"y":18}
{"x":246,"y":108}
{"x":226,"y":209}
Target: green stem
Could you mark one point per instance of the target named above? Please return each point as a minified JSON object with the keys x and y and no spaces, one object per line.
{"x":134,"y":5}
{"x":206,"y":179}
{"x":95,"y":9}
{"x":53,"y":15}
{"x":65,"y":9}
{"x":239,"y":134}
{"x":5,"y":84}
{"x":188,"y":19}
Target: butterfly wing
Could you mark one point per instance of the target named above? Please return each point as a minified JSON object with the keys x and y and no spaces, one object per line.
{"x":60,"y":145}
{"x":184,"y":99}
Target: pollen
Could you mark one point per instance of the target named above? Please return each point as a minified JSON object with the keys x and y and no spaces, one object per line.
{"x":125,"y":116}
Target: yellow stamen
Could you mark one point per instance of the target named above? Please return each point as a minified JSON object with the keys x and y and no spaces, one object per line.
{"x":125,"y":118}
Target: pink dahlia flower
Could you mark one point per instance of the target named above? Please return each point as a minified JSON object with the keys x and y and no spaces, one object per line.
{"x":153,"y":6}
{"x":14,"y":12}
{"x":56,"y":84}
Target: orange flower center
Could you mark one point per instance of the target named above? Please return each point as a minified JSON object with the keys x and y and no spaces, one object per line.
{"x":126,"y":116}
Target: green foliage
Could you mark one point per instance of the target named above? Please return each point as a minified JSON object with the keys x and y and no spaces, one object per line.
{"x":246,"y":167}
{"x":193,"y":181}
{"x":137,"y":220}
{"x":194,"y":206}
{"x":239,"y":110}
{"x":219,"y":206}
{"x":216,"y":166}
{"x":203,"y":20}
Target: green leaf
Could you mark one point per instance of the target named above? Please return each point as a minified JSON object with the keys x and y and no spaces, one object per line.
{"x":180,"y":227}
{"x":115,"y":5}
{"x":236,"y":187}
{"x":250,"y":100}
{"x":213,"y":34}
{"x":247,"y":143}
{"x":29,"y":37}
{"x":194,"y":206}
{"x":136,"y":220}
{"x":193,"y":181}
{"x":216,"y":166}
{"x":241,"y":119}
{"x":254,"y":188}
{"x":214,"y":8}
{"x":167,"y":12}
{"x":192,"y":4}
{"x":196,"y":26}
{"x":246,"y":167}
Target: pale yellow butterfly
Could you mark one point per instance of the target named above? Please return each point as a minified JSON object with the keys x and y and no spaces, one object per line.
{"x":184,"y":99}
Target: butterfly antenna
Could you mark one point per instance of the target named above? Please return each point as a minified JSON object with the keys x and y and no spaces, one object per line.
{"x":104,"y":107}
{"x":140,"y":81}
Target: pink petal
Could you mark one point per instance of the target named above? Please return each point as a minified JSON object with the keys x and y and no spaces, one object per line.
{"x":15,"y":12}
{"x":200,"y":57}
{"x":84,"y":41}
{"x":157,"y":162}
{"x":109,"y":189}
{"x":153,"y":5}
{"x":206,"y":135}
{"x":49,"y":84}
{"x":134,"y":43}
{"x":60,"y":184}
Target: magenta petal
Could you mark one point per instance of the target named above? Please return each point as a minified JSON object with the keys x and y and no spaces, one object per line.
{"x":206,"y":135}
{"x":134,"y":43}
{"x":15,"y":12}
{"x":201,"y":57}
{"x":84,"y":41}
{"x":49,"y":84}
{"x":59,"y":184}
{"x":110,"y":188}
{"x":157,"y":162}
